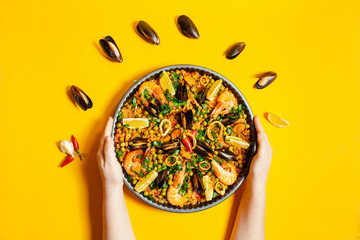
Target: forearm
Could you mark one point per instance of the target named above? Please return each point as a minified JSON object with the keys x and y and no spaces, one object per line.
{"x":117,"y":223}
{"x":250,"y":219}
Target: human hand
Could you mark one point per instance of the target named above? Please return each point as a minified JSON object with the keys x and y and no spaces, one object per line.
{"x":260,"y":165}
{"x":110,"y":169}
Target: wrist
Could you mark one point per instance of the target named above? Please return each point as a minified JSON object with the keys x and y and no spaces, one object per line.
{"x":113,"y":188}
{"x":256,"y":184}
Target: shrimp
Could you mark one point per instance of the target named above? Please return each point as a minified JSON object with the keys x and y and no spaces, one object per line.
{"x":226,"y":101}
{"x":227,"y":177}
{"x":132,"y":162}
{"x":188,"y":78}
{"x":153,"y":90}
{"x":173,"y":195}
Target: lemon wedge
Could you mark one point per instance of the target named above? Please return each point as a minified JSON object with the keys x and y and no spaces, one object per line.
{"x":166,"y":83}
{"x":238,"y":142}
{"x":209,"y":190}
{"x":136,"y":122}
{"x":276,"y":120}
{"x":145,"y":181}
{"x":214,"y":89}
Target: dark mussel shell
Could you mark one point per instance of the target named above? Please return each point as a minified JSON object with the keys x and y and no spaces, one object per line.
{"x":161,"y":178}
{"x":181,"y":93}
{"x":203,"y":95}
{"x":186,"y":119}
{"x":170,"y":147}
{"x":187,"y":27}
{"x":203,"y":149}
{"x":148,"y":33}
{"x":109,"y":46}
{"x":196,"y":182}
{"x":138,"y":143}
{"x":265,"y":79}
{"x":81,"y":98}
{"x":228,"y":119}
{"x":235,"y":50}
{"x":152,"y":109}
{"x":227,"y":155}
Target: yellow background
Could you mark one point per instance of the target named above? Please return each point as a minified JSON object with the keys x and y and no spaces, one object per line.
{"x":47,"y":46}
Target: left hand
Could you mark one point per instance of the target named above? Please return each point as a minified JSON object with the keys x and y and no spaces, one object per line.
{"x":110,"y":169}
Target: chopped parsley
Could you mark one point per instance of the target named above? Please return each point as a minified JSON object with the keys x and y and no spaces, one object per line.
{"x":134,"y":102}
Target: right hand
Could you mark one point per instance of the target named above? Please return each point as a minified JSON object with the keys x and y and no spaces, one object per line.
{"x":260,"y":165}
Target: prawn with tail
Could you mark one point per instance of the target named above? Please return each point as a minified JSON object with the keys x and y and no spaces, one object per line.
{"x":173,"y":195}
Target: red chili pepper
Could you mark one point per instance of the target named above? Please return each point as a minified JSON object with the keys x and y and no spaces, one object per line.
{"x":193,"y":132}
{"x":173,"y":124}
{"x":117,"y":137}
{"x":67,"y":160}
{"x":187,"y":143}
{"x":76,"y":145}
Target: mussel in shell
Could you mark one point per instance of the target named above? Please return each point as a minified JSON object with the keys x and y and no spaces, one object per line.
{"x":187,"y":27}
{"x":110,"y":48}
{"x":161,"y":178}
{"x":81,"y":98}
{"x":170,"y":147}
{"x":138,"y":143}
{"x":203,"y":149}
{"x":148,"y":33}
{"x":152,"y":109}
{"x":227,"y":155}
{"x":181,"y":93}
{"x":265,"y":79}
{"x":202,"y":95}
{"x":235,"y":50}
{"x":186,"y":119}
{"x":196,"y":182}
{"x":229,"y":119}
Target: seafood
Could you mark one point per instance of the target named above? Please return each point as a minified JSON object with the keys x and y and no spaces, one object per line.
{"x":110,"y":48}
{"x":226,"y":173}
{"x":180,"y":138}
{"x":173,"y":195}
{"x":235,"y":50}
{"x":132,"y":163}
{"x":148,"y":33}
{"x":81,"y":98}
{"x":265,"y":79}
{"x":225,"y":103}
{"x":150,"y":90}
{"x":187,"y":27}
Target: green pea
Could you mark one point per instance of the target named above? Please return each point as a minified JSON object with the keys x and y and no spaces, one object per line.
{"x":213,"y":147}
{"x":150,"y":165}
{"x":165,"y":126}
{"x":123,"y":149}
{"x":122,"y":144}
{"x":146,"y":133}
{"x":195,"y":119}
{"x":159,"y":135}
{"x":177,"y":72}
{"x":130,"y":130}
{"x":163,"y":193}
{"x":138,"y":130}
{"x":203,"y":110}
{"x":193,"y":89}
{"x":177,"y":125}
{"x":209,"y":85}
{"x":148,"y":144}
{"x":222,"y":88}
{"x":155,"y":155}
{"x":160,"y":197}
{"x":146,"y":113}
{"x":128,"y":106}
{"x":160,"y":151}
{"x":231,"y":148}
{"x":138,"y":116}
{"x":156,"y":128}
{"x":155,"y":161}
{"x":203,"y":138}
{"x":151,"y":132}
{"x":160,"y":116}
{"x":155,"y":168}
{"x":191,"y":173}
{"x":146,"y":193}
{"x":240,"y":165}
{"x":247,"y":126}
{"x":142,"y":106}
{"x":134,"y":181}
{"x":215,"y":152}
{"x":200,"y":119}
{"x":170,"y":176}
{"x":170,"y":182}
{"x":236,"y":164}
{"x":130,"y":143}
{"x":164,"y":164}
{"x":181,"y":77}
{"x":205,"y":123}
{"x":119,"y":125}
{"x":245,"y":115}
{"x":160,"y":161}
{"x":212,"y":81}
{"x":193,"y":127}
{"x":153,"y":152}
{"x":236,"y":107}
